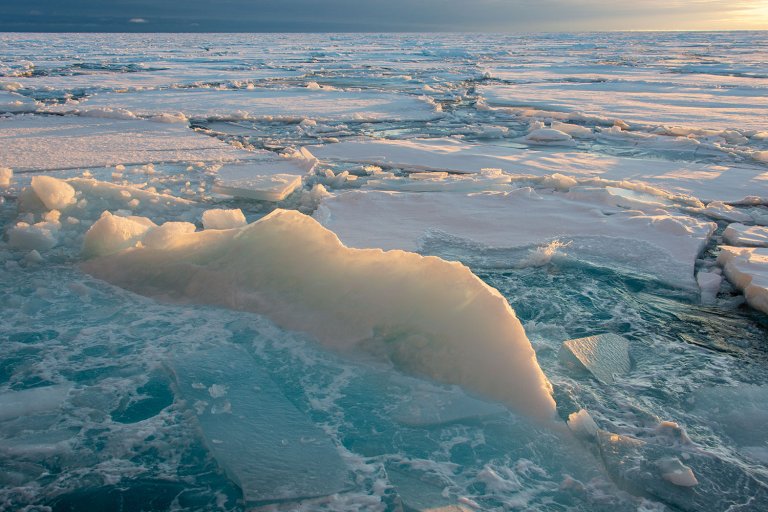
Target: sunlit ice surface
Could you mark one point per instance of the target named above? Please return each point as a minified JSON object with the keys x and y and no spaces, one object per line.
{"x":568,"y":312}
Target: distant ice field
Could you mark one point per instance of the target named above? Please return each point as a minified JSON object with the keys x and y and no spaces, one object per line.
{"x":384,"y":272}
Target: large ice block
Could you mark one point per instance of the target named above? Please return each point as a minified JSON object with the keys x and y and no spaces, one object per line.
{"x":258,"y":437}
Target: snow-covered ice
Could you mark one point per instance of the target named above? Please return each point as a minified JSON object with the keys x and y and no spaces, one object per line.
{"x":747,"y":269}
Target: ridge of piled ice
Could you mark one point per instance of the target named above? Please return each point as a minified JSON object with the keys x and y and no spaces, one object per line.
{"x":746,"y":236}
{"x":429,"y":316}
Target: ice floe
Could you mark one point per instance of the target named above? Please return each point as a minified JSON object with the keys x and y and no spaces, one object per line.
{"x":747,"y":269}
{"x":662,"y":244}
{"x":37,"y":143}
{"x":286,"y":104}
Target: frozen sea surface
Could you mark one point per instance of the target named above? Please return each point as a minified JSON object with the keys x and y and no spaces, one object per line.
{"x":552,"y":188}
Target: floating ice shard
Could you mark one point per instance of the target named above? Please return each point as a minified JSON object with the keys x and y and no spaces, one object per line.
{"x":432,"y":409}
{"x":603,"y":355}
{"x":271,"y":450}
{"x":31,"y":401}
{"x":431,"y":317}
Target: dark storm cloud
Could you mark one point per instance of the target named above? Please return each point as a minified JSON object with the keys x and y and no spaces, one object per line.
{"x":350,"y":15}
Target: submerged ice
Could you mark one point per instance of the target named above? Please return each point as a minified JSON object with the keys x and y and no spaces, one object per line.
{"x":379,"y":272}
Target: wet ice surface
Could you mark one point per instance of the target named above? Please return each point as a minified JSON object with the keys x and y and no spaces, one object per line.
{"x":106,"y":404}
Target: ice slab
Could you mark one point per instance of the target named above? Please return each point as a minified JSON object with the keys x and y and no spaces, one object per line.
{"x":431,"y":409}
{"x":287,"y":104}
{"x":16,"y":103}
{"x":688,"y":479}
{"x":270,"y":449}
{"x":731,"y":182}
{"x":428,"y":316}
{"x":32,"y":401}
{"x":38,"y":143}
{"x":747,"y":269}
{"x":640,"y":103}
{"x":263,"y":179}
{"x":602,"y":355}
{"x":664,"y":245}
{"x":739,"y":235}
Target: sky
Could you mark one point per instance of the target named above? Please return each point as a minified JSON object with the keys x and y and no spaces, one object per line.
{"x":380,"y":15}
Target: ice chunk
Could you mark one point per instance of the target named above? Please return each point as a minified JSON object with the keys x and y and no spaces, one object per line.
{"x":548,"y":136}
{"x":709,"y":284}
{"x":582,"y":425}
{"x":43,"y":143}
{"x":747,"y":269}
{"x":54,"y":193}
{"x":287,"y":104}
{"x":223,"y":219}
{"x":6,"y":174}
{"x":32,"y":401}
{"x":746,"y":236}
{"x":674,"y":471}
{"x":574,"y":130}
{"x":603,"y":355}
{"x":270,"y":449}
{"x":163,"y":237}
{"x":112,"y":233}
{"x":33,"y":237}
{"x":430,"y":317}
{"x":263,"y":179}
{"x":664,"y":244}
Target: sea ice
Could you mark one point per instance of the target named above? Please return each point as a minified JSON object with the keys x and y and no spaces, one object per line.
{"x":662,"y":244}
{"x":270,"y":449}
{"x":603,"y":355}
{"x":285,"y":104}
{"x":430,"y":317}
{"x":38,"y":143}
{"x":16,"y":103}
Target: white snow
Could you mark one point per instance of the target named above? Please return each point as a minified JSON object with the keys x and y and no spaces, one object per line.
{"x":747,"y":269}
{"x":223,"y":219}
{"x":429,"y":316}
{"x":284,"y":104}
{"x":54,"y":142}
{"x":660,"y":243}
{"x":746,"y":236}
{"x":732,"y":182}
{"x":603,"y":355}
